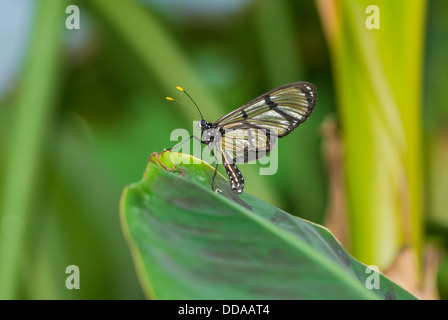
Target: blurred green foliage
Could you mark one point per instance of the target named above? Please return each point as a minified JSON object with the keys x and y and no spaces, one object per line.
{"x":88,"y":108}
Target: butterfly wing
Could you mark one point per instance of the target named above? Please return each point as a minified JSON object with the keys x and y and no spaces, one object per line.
{"x":250,"y":132}
{"x":245,"y":143}
{"x":279,"y":111}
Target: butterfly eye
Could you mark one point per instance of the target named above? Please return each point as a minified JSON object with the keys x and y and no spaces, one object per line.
{"x":202,"y":123}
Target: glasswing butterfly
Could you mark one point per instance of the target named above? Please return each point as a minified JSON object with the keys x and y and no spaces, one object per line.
{"x":249,"y":132}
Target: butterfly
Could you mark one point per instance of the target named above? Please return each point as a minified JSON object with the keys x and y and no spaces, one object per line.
{"x":250,"y":132}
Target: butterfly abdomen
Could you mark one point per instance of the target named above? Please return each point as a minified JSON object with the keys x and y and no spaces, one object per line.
{"x":235,"y":176}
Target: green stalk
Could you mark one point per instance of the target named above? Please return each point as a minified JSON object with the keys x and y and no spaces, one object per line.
{"x":274,"y":28}
{"x":378,"y":84}
{"x":150,"y":42}
{"x":278,"y":42}
{"x":33,"y":112}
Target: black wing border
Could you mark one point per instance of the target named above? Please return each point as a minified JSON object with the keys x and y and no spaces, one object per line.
{"x":301,"y":85}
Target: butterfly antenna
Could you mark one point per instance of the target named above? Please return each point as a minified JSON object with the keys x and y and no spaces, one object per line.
{"x":171,"y":99}
{"x":181,"y":89}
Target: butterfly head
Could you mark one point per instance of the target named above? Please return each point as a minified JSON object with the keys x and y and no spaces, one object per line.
{"x":205,"y":125}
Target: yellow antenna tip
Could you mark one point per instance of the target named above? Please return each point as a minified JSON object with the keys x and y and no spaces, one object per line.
{"x":179,"y":88}
{"x":169,"y":98}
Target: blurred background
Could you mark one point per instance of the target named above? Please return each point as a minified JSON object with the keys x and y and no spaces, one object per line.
{"x":82,"y":109}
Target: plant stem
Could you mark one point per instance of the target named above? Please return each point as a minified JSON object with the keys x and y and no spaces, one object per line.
{"x":31,"y":122}
{"x":377,"y":76}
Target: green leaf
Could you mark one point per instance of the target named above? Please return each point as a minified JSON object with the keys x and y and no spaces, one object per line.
{"x":189,"y":242}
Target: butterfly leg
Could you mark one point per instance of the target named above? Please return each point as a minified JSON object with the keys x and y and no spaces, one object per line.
{"x":216,"y":168}
{"x":179,"y":145}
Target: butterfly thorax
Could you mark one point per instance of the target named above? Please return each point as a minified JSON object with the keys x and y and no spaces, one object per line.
{"x":209,"y":133}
